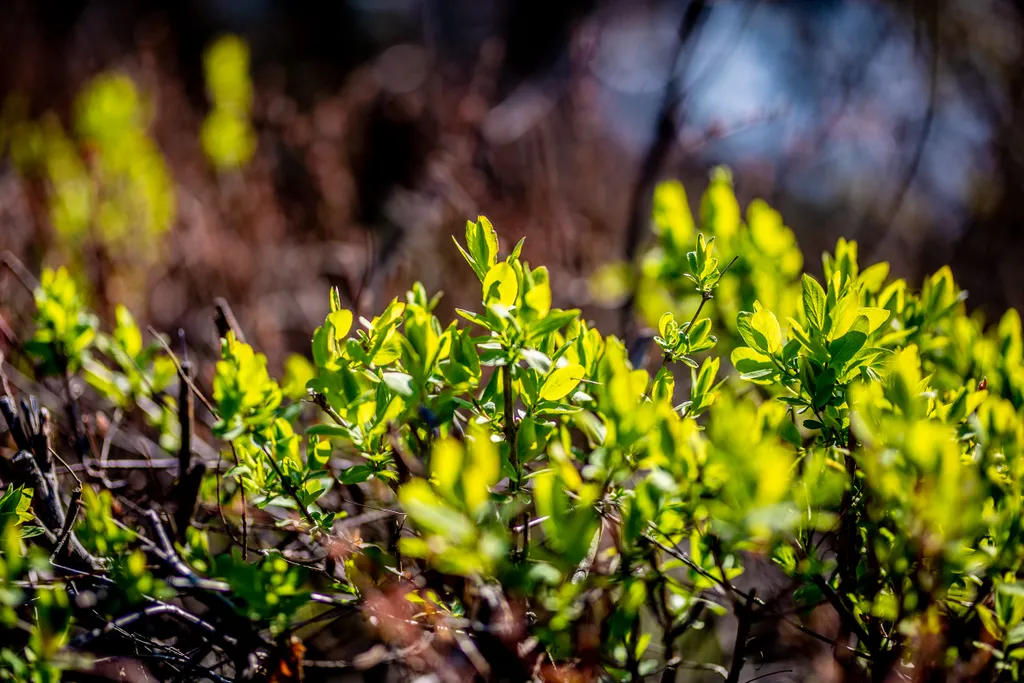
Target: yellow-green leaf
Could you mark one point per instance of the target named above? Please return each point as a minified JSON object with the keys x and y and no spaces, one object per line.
{"x":765,"y":322}
{"x":876,"y":317}
{"x":501,"y":285}
{"x":560,"y":382}
{"x":539,"y":296}
{"x":446,"y":464}
{"x":482,"y":469}
{"x":342,"y":322}
{"x":665,"y":325}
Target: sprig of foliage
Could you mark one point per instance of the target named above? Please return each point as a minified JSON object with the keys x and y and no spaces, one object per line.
{"x":65,"y":329}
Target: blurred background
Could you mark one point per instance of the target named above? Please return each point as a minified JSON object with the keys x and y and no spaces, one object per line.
{"x":174,"y":151}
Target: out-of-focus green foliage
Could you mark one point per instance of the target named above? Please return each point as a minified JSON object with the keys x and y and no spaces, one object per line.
{"x":65,"y":329}
{"x":118,"y":365}
{"x":270,"y":590}
{"x":767,"y":268}
{"x":132,"y":374}
{"x":227,"y":134}
{"x":134,"y":188}
{"x":51,"y":617}
{"x":865,"y":436}
{"x":109,"y":182}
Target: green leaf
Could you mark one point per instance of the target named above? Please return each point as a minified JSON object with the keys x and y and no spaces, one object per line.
{"x":446,"y":464}
{"x":752,"y":365}
{"x":876,"y":317}
{"x":767,"y":332}
{"x":560,"y":382}
{"x":127,"y":332}
{"x":814,"y":345}
{"x":746,"y":331}
{"x":591,"y":425}
{"x":538,"y":296}
{"x":555,"y":320}
{"x":706,"y":376}
{"x":481,"y":271}
{"x":482,"y":469}
{"x":482,"y":246}
{"x":328,"y":430}
{"x":671,"y":214}
{"x":697,"y":334}
{"x":824,"y":385}
{"x":516,"y":251}
{"x":667,"y":326}
{"x":873,"y":277}
{"x":399,"y":382}
{"x":477,"y":318}
{"x":790,"y":433}
{"x":814,"y":302}
{"x":429,"y":512}
{"x":537,"y":360}
{"x":342,"y":322}
{"x":719,"y":210}
{"x":484,"y":242}
{"x":1015,"y":589}
{"x":664,"y":385}
{"x":843,"y":349}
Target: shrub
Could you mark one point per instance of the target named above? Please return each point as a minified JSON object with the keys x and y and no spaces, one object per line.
{"x":507,"y":496}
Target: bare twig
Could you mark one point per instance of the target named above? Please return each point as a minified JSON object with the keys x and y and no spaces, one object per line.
{"x":74,"y":506}
{"x":677,"y":663}
{"x":23,"y":274}
{"x":190,"y":477}
{"x":746,"y":615}
{"x":186,"y":417}
{"x":770,"y":673}
{"x":120,"y":623}
{"x":14,"y":424}
{"x":187,"y":494}
{"x":225,"y":320}
{"x":663,"y":140}
{"x":177,"y":364}
{"x":928,"y":119}
{"x":47,"y":507}
{"x":5,"y":384}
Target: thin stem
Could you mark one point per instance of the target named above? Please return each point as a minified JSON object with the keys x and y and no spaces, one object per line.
{"x":520,"y":522}
{"x":177,"y":365}
{"x":510,"y":424}
{"x":160,"y":608}
{"x":705,"y":296}
{"x":685,"y":559}
{"x":321,"y":401}
{"x":293,"y":493}
{"x":849,"y":620}
{"x":245,"y":505}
